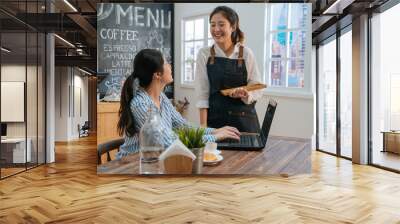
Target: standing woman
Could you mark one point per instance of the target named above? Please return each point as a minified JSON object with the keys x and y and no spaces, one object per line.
{"x":227,"y":64}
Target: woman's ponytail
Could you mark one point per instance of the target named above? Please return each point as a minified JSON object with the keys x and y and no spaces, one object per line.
{"x":126,"y":122}
{"x":237,"y":36}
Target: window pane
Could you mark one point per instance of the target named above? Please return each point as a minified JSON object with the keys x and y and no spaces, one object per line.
{"x":394,"y":101}
{"x":298,"y":16}
{"x":199,"y":29}
{"x":385,"y":88}
{"x":296,"y":73}
{"x":189,"y":61}
{"x":197,"y":46}
{"x":297,"y":44}
{"x":278,"y":45}
{"x":189,"y":71}
{"x":189,"y":30}
{"x":278,"y":74}
{"x":189,"y":51}
{"x":31,"y":100}
{"x":279,"y":18}
{"x":327,"y":97}
{"x":346,"y":94}
{"x":13,"y":77}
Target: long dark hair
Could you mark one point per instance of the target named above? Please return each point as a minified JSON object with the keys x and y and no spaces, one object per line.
{"x":233,"y":18}
{"x":146,"y":63}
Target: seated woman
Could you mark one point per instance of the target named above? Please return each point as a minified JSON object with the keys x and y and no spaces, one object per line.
{"x":142,"y":91}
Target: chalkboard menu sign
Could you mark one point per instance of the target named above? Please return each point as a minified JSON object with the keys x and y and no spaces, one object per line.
{"x":123,"y":29}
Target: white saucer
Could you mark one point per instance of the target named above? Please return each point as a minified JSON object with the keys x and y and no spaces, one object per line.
{"x":210,"y":163}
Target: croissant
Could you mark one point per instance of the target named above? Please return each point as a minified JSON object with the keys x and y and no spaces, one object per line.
{"x":209,"y":157}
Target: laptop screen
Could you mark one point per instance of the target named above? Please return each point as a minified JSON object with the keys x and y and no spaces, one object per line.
{"x":269,"y":115}
{"x":3,"y":129}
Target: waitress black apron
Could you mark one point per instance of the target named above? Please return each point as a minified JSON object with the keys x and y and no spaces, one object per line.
{"x":225,"y":73}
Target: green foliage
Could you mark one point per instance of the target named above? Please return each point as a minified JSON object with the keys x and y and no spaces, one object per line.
{"x":191,"y":137}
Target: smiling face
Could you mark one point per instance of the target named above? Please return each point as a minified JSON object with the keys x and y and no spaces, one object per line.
{"x":220,"y":29}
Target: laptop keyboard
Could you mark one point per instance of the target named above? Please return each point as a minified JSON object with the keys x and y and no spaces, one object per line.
{"x":245,"y":140}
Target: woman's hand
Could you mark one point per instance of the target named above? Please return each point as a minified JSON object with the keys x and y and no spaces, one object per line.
{"x":239,"y":93}
{"x":226,"y":132}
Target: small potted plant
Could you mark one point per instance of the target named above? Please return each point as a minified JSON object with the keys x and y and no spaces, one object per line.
{"x":193,"y":139}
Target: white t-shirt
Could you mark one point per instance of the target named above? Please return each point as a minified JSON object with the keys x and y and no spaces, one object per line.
{"x":202,"y":83}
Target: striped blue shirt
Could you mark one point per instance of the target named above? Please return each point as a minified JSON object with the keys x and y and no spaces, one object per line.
{"x":170,"y":119}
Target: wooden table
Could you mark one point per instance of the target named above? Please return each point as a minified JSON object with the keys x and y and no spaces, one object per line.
{"x":282,"y":155}
{"x":391,"y":141}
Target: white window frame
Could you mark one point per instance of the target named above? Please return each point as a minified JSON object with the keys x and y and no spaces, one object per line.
{"x":205,"y":39}
{"x":305,"y":91}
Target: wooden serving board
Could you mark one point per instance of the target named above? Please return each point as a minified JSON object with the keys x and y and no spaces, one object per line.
{"x":227,"y":92}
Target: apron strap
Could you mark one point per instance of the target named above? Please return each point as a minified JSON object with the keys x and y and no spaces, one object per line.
{"x":240,"y":58}
{"x":212,"y":58}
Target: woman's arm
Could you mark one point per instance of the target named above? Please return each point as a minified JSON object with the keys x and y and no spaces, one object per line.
{"x":202,"y":85}
{"x":203,"y":117}
{"x":253,"y":77}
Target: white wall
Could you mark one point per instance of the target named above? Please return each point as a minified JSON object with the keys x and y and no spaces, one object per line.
{"x":294,"y":114}
{"x":67,"y":114}
{"x":79,"y":117}
{"x":61,"y":103}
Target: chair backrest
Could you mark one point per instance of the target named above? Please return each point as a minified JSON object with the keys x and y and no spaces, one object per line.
{"x":106,"y":147}
{"x":86,"y":125}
